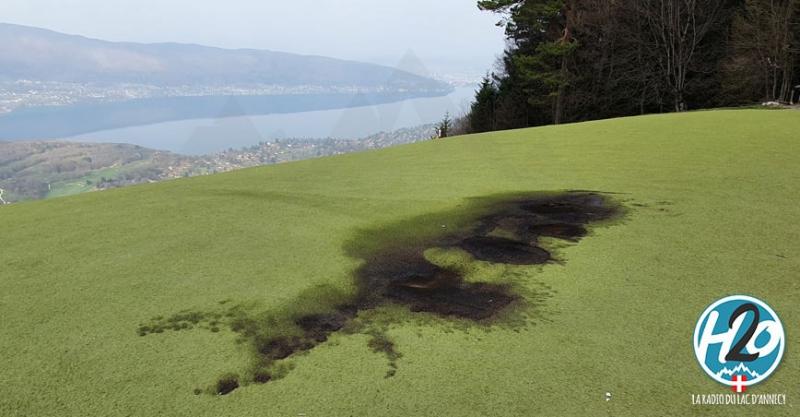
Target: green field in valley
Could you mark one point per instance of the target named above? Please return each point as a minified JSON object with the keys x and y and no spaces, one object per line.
{"x":80,"y":185}
{"x":711,"y":209}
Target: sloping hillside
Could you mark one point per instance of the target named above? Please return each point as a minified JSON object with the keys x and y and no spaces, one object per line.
{"x":35,"y":170}
{"x":39,"y":54}
{"x":31,"y":170}
{"x":150,"y":299}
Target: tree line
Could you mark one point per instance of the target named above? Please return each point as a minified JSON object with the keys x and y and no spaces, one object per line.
{"x":575,"y":60}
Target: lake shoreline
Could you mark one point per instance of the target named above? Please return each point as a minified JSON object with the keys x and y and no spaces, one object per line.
{"x":52,"y":122}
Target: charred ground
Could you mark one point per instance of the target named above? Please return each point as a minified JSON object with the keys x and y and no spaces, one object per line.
{"x":396,"y":271}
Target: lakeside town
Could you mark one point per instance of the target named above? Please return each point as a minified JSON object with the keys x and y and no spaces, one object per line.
{"x":21,"y":94}
{"x":31,"y":170}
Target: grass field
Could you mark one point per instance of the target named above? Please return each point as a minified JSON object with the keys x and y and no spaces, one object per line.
{"x":80,"y":185}
{"x":712,"y":208}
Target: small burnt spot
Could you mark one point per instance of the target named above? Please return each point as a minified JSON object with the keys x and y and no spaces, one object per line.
{"x":380,"y":343}
{"x":227,"y":384}
{"x":283,"y":347}
{"x":262,"y":377}
{"x":319,"y":326}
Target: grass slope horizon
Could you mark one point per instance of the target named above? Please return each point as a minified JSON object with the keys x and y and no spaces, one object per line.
{"x":710,"y":211}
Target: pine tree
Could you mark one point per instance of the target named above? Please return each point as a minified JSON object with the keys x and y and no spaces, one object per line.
{"x":444,"y":126}
{"x":542,"y":32}
{"x":482,"y":113}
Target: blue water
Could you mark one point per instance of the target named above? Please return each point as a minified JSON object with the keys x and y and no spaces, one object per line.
{"x":205,"y":135}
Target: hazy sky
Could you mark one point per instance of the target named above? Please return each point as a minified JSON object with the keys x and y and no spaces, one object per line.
{"x":446,"y":35}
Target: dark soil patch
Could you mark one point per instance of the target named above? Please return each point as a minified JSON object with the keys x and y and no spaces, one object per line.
{"x":380,"y":343}
{"x":504,"y":251}
{"x":573,"y":208}
{"x":411,"y":280}
{"x":398,"y":273}
{"x":319,"y":326}
{"x":283,"y":347}
{"x":469,"y":301}
{"x":262,"y":377}
{"x":227,"y":384}
{"x":316,"y":328}
{"x":565,"y":231}
{"x":404,"y":276}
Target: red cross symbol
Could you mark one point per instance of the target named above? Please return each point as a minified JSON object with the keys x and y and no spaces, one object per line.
{"x":738,"y":383}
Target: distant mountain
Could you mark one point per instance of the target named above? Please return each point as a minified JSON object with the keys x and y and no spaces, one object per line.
{"x":43,"y":55}
{"x":54,"y":85}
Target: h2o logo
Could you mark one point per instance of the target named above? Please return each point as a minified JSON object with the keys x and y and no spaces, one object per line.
{"x":739,"y":341}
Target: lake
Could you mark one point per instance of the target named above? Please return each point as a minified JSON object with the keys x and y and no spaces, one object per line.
{"x":360,"y":117}
{"x":199,"y":136}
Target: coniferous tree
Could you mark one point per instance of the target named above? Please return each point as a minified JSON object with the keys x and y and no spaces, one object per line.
{"x":574,"y":60}
{"x":482,"y":111}
{"x":543,"y":44}
{"x":444,"y":126}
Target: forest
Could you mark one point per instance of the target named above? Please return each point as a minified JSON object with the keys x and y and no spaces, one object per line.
{"x":577,"y":60}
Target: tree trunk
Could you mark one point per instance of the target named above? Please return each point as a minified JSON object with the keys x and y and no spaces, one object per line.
{"x":569,"y":21}
{"x":786,"y":86}
{"x":678,"y":29}
{"x":558,"y":113}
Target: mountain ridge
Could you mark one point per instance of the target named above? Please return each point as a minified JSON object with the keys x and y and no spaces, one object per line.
{"x":36,"y":53}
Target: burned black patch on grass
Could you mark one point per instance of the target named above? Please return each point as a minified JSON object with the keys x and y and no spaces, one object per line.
{"x":262,"y":377}
{"x":227,"y":384}
{"x":309,"y":331}
{"x":320,"y":326}
{"x":565,"y":231}
{"x":380,"y":343}
{"x":508,"y":233}
{"x":396,"y":271}
{"x":504,"y":251}
{"x":411,"y":280}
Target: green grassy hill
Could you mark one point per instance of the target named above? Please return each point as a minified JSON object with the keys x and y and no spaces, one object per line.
{"x":48,"y":169}
{"x":711,"y":209}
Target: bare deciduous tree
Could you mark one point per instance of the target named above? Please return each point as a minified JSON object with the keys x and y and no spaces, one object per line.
{"x":677,"y":29}
{"x":764,"y":45}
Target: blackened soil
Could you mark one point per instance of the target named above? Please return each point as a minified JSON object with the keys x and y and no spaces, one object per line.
{"x":565,"y":231}
{"x":262,"y":377}
{"x":227,"y":384}
{"x":403,"y":275}
{"x":572,"y":208}
{"x":508,"y":233}
{"x":316,"y":328}
{"x":411,"y":280}
{"x":380,"y":343}
{"x":283,"y":347}
{"x":504,"y":251}
{"x":319,"y":326}
{"x":470,"y":301}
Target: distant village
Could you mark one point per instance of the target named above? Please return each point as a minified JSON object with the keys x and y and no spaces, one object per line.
{"x":288,"y":150}
{"x":31,"y":170}
{"x":19,"y":94}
